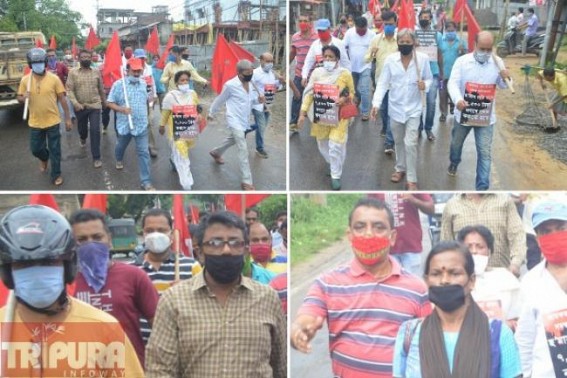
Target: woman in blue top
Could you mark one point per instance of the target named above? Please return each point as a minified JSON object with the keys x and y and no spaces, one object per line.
{"x":457,"y":339}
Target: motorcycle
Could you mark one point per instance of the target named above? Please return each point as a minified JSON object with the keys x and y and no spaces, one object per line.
{"x":512,"y":43}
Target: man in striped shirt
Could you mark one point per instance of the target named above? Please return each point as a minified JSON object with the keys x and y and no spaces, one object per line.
{"x":364,"y":302}
{"x":159,"y":259}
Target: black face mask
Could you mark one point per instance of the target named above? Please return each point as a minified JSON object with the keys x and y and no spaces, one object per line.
{"x":246,"y":77}
{"x":185,"y":56}
{"x":224,"y":268}
{"x":448,"y":298}
{"x":85,"y":63}
{"x":424,"y":23}
{"x":405,"y":49}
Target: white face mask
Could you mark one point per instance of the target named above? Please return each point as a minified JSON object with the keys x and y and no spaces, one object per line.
{"x":268,"y":67}
{"x":157,"y":242}
{"x":480,"y":263}
{"x":184,"y":88}
{"x":329,"y":66}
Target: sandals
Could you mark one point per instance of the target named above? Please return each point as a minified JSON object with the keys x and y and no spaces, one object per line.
{"x":58,"y":181}
{"x":430,"y":135}
{"x":412,"y":186}
{"x":218,"y":159}
{"x":247,"y":187}
{"x":43,"y":166}
{"x":397,"y":176}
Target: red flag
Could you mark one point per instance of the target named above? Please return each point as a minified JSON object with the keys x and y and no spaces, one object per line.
{"x":39,"y":43}
{"x":472,"y":27}
{"x":224,"y":64}
{"x":165,"y":53}
{"x":152,"y":46}
{"x":458,"y":10}
{"x":180,"y":223}
{"x":95,"y":201}
{"x":4,"y":292}
{"x":92,"y":40}
{"x":52,"y":43}
{"x":74,"y":48}
{"x":45,"y":200}
{"x":374,"y":7}
{"x":241,"y":52}
{"x":112,"y":69}
{"x":405,"y":16}
{"x":194,"y":214}
{"x":233,"y":202}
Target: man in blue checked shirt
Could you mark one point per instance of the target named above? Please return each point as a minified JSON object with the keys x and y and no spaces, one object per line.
{"x":136,"y":109}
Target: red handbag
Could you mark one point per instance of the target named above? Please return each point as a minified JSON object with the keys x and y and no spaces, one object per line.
{"x":348,"y":110}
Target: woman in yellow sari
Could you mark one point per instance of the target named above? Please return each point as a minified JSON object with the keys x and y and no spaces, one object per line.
{"x":329,"y":88}
{"x":180,"y":112}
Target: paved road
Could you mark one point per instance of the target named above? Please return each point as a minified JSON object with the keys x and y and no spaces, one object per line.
{"x":19,"y":170}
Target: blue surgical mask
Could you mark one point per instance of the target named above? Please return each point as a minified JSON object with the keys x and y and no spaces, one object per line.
{"x":93,"y":263}
{"x":329,"y":66}
{"x":38,"y":68}
{"x":389,"y":29}
{"x":184,"y":88}
{"x":268,"y":67}
{"x":133,"y":79}
{"x":481,"y":57}
{"x":39,"y":286}
{"x":451,"y":35}
{"x":171,"y":58}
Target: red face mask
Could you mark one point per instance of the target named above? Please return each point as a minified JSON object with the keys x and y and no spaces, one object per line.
{"x":554,"y":247}
{"x":261,"y":252}
{"x":370,"y":251}
{"x":127,"y":54}
{"x":324,"y":35}
{"x":304,"y":26}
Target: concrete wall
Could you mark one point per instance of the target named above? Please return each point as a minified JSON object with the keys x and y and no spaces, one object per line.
{"x":201,"y":56}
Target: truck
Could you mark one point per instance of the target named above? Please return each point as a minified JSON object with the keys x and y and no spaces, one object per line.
{"x":13,"y":50}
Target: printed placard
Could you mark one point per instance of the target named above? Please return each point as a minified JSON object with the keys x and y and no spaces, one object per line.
{"x":325,"y":108}
{"x":59,"y":349}
{"x":555,"y":325}
{"x":479,"y":99}
{"x":492,"y":309}
{"x":269,"y":93}
{"x":319,"y":60}
{"x":185,"y":122}
{"x":427,"y":43}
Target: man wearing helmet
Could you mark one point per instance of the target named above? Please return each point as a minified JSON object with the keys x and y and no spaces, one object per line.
{"x":43,"y":323}
{"x":43,"y":90}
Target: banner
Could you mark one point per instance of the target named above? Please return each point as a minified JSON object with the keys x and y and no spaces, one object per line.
{"x":479,"y":99}
{"x":325,"y":108}
{"x":555,"y":325}
{"x":185,"y":122}
{"x":269,"y":93}
{"x":427,"y":40}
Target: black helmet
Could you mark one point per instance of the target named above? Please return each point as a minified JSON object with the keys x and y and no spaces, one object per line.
{"x":35,"y":233}
{"x":36,"y":55}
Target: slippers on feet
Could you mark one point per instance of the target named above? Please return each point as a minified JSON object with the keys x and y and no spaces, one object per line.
{"x":43,"y":166}
{"x":58,"y":181}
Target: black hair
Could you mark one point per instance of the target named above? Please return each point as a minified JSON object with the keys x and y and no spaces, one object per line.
{"x":281,"y":214}
{"x":479,"y":229}
{"x":252,"y":209}
{"x":360,"y":22}
{"x":49,"y":50}
{"x":178,"y":75}
{"x":521,"y":9}
{"x":451,"y":246}
{"x":447,"y":23}
{"x":334,"y":49}
{"x":374,"y":203}
{"x":85,"y":51}
{"x":531,"y":10}
{"x":425,"y":11}
{"x":87,"y":215}
{"x":225,"y":218}
{"x":176,"y":49}
{"x":388,"y":15}
{"x":549,"y":71}
{"x":158,"y":213}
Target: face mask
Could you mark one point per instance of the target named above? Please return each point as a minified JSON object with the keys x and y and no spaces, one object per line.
{"x":405,"y":49}
{"x":155,"y":62}
{"x":133,"y":79}
{"x":157,"y":242}
{"x":224,"y":268}
{"x":261,"y":252}
{"x":171,"y":58}
{"x":389,"y":29}
{"x":350,"y":24}
{"x":184,"y":88}
{"x":448,"y":298}
{"x":554,"y":247}
{"x":68,"y":57}
{"x":279,"y":224}
{"x":304,"y":26}
{"x":329,"y":66}
{"x":268,"y":67}
{"x":247,"y":77}
{"x":52,"y":62}
{"x":85,"y":63}
{"x":370,"y":251}
{"x":361,"y":32}
{"x":95,"y":59}
{"x":185,"y":56}
{"x":481,"y":57}
{"x":480,"y":263}
{"x":424,"y":23}
{"x":324,"y":35}
{"x":38,"y":68}
{"x":451,"y":35}
{"x":93,"y":263}
{"x":39,"y":286}
{"x":127,"y":54}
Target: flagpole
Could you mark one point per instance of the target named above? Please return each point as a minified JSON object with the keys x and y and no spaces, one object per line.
{"x":7,"y":327}
{"x":126,"y":98}
{"x":176,"y":241}
{"x":27,"y":101}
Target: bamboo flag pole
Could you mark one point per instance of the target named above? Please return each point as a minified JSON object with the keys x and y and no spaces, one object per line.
{"x":126,"y":98}
{"x":423,"y":110}
{"x":177,"y":250}
{"x":6,"y":329}
{"x":500,"y":63}
{"x":27,"y":101}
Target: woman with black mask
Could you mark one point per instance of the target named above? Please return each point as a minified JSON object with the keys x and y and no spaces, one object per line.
{"x":457,"y":339}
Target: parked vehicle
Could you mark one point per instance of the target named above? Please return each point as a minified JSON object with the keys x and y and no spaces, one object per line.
{"x":124,"y":236}
{"x":512,"y":44}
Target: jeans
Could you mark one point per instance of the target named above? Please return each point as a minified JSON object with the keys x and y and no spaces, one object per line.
{"x":141,"y":151}
{"x":296,"y":104}
{"x":386,"y":127}
{"x":237,"y":137}
{"x":69,"y":106}
{"x":261,"y":119}
{"x":405,"y":136}
{"x":362,"y":87}
{"x":430,"y":98}
{"x":483,"y":142}
{"x":410,"y":261}
{"x":45,"y":144}
{"x":92,"y":117}
{"x":106,"y":118}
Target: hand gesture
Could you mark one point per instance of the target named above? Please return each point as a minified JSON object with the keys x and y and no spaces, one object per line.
{"x":302,"y":333}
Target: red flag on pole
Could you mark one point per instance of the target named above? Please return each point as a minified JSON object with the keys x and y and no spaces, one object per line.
{"x":224,"y":64}
{"x":152,"y":46}
{"x":234,"y":203}
{"x":374,"y":7}
{"x":405,"y":16}
{"x":473,"y":27}
{"x":45,"y":200}
{"x":112,"y":62}
{"x":52,"y":43}
{"x":458,"y":9}
{"x":180,"y":223}
{"x":92,"y":40}
{"x":163,"y":58}
{"x":95,"y":201}
{"x":241,"y":52}
{"x":194,"y":214}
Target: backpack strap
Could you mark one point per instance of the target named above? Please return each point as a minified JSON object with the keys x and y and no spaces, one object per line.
{"x":495,"y":330}
{"x":411,"y":327}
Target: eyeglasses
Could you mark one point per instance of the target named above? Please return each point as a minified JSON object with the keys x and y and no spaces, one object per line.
{"x":218,"y":244}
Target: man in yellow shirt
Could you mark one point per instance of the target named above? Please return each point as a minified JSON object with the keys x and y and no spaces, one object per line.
{"x":43,"y":90}
{"x":179,"y":64}
{"x":559,"y":82}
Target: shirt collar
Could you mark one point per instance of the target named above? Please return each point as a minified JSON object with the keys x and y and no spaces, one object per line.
{"x":357,"y":269}
{"x":171,"y":258}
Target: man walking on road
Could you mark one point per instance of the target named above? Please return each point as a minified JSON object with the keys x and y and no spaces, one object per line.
{"x":43,"y":90}
{"x":86,"y":92}
{"x":364,"y":301}
{"x":179,"y":64}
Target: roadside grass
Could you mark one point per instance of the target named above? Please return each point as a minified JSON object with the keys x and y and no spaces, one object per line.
{"x":314,"y":227}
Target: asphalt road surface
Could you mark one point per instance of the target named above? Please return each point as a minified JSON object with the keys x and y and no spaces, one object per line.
{"x":19,"y":170}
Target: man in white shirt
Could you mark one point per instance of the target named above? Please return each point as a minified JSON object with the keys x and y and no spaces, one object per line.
{"x":513,"y":21}
{"x":267,"y":83}
{"x":472,"y":87}
{"x":406,"y":75}
{"x":315,"y":54}
{"x":357,"y":40}
{"x":240,"y":96}
{"x":148,"y":77}
{"x":541,"y":330}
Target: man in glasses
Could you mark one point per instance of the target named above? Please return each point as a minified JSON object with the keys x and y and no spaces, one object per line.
{"x":234,"y":327}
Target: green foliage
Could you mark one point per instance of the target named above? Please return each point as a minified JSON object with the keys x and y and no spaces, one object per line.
{"x":314,"y":227}
{"x":129,"y":205}
{"x":270,"y":206}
